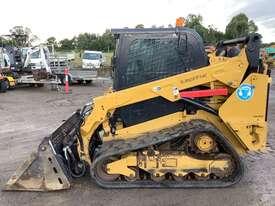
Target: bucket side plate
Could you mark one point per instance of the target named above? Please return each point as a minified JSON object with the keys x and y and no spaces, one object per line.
{"x":43,"y":171}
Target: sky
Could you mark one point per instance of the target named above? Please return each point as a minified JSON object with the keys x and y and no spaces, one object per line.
{"x":68,"y":18}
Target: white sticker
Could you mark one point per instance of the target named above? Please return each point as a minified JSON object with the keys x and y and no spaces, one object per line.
{"x":175,"y":91}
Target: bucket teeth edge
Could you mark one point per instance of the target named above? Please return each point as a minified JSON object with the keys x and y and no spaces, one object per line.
{"x":42,"y":171}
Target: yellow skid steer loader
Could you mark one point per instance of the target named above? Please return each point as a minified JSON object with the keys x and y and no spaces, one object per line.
{"x":175,"y":117}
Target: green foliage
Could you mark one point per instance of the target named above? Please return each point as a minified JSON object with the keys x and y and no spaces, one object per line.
{"x":86,"y":41}
{"x":240,"y":26}
{"x":89,"y":41}
{"x":209,"y":35}
{"x":108,"y":41}
{"x":271,"y":44}
{"x":213,"y":35}
{"x":252,"y":27}
{"x":139,"y":26}
{"x":5,"y":41}
{"x":52,"y":41}
{"x":22,"y":36}
{"x":193,"y":21}
{"x":67,"y":44}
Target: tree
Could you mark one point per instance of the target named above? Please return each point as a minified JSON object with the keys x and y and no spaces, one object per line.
{"x":195,"y":22}
{"x":270,"y":44}
{"x":139,"y":26}
{"x":209,"y":34}
{"x":170,"y":26}
{"x":90,"y":41}
{"x":240,"y":26}
{"x":252,"y":27}
{"x":22,"y":36}
{"x":67,"y":44}
{"x":52,"y":41}
{"x":86,"y":41}
{"x":213,"y":35}
{"x":108,"y":41}
{"x":6,"y":41}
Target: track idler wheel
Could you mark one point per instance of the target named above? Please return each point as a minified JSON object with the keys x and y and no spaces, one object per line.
{"x":101,"y":170}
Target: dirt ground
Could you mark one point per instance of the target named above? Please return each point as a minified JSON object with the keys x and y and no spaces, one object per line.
{"x":28,"y":114}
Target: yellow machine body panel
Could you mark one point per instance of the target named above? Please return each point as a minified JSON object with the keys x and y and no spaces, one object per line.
{"x":11,"y":81}
{"x":171,"y":120}
{"x":162,"y":162}
{"x":247,"y":117}
{"x":228,"y":71}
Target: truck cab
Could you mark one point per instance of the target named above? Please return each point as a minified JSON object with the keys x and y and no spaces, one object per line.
{"x":38,"y":58}
{"x":92,"y":59}
{"x":4,"y":59}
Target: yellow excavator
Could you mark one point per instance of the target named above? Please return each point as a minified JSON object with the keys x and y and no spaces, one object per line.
{"x":175,"y":117}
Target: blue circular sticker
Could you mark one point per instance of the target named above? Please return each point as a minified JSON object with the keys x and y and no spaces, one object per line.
{"x":245,"y":92}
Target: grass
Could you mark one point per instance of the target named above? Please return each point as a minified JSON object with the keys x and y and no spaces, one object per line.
{"x":108,"y":58}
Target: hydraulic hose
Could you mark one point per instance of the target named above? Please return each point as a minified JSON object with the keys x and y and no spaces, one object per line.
{"x":69,"y":156}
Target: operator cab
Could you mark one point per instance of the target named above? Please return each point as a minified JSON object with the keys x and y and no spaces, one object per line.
{"x":145,"y":55}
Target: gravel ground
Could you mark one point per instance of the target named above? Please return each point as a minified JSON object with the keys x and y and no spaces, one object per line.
{"x":28,"y":114}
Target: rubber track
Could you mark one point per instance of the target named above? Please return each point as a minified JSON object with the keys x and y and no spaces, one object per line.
{"x":120,"y":147}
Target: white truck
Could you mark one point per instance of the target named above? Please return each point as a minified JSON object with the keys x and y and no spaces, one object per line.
{"x":38,"y":58}
{"x":75,"y":75}
{"x":92,"y":60}
{"x":35,"y":69}
{"x":4,"y":58}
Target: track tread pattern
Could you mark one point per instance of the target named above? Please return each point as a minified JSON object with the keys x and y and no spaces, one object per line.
{"x":120,"y":147}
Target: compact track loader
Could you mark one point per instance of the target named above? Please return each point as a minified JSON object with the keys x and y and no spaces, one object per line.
{"x":175,"y":117}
